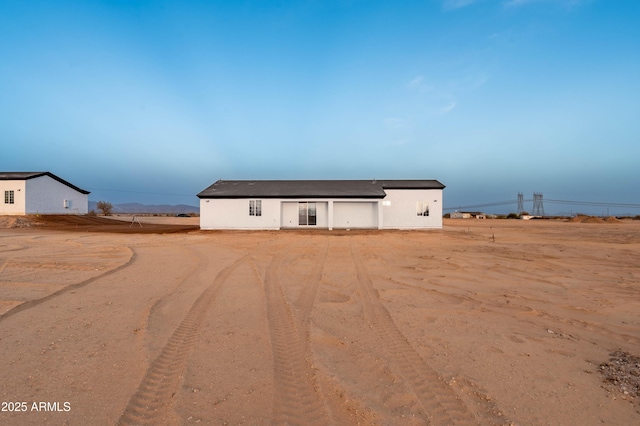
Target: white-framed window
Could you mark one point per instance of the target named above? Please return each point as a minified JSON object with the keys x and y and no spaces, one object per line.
{"x":9,"y":197}
{"x":255,"y":207}
{"x":422,"y":208}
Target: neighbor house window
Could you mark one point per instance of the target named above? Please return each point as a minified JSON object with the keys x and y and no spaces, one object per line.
{"x":255,"y":207}
{"x":8,"y":197}
{"x":422,"y":208}
{"x":306,"y":213}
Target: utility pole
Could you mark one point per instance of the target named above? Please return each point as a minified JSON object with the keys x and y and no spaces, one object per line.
{"x":520,"y":202}
{"x":538,"y":208}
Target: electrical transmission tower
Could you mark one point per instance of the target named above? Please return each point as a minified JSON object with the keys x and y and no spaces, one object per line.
{"x":538,"y":208}
{"x":520,"y":202}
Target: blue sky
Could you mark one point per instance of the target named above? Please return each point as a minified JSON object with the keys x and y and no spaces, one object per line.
{"x":152,"y":101}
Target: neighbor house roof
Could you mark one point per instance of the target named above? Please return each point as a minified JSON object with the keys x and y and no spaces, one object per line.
{"x":311,"y":188}
{"x":32,"y":175}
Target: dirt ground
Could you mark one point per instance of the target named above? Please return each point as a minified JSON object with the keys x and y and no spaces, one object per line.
{"x":483,"y":322}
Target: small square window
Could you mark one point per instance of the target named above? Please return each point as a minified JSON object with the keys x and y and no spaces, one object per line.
{"x":255,"y":207}
{"x":422,"y":208}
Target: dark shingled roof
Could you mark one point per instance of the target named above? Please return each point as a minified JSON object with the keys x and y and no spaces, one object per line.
{"x":32,"y":175}
{"x":311,"y":188}
{"x":411,"y":184}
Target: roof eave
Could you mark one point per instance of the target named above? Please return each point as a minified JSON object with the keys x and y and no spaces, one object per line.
{"x":290,"y":197}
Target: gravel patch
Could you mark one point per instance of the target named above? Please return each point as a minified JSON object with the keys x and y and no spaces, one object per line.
{"x":622,"y":374}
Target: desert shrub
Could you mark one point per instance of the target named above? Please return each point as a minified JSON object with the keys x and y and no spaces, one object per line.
{"x":513,"y":216}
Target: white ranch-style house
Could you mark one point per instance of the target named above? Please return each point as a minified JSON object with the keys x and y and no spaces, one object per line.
{"x":321,"y":204}
{"x":40,"y":193}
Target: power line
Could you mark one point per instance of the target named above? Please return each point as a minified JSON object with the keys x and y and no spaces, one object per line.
{"x":567,"y":202}
{"x":141,"y":192}
{"x":499,"y":203}
{"x":595,"y":204}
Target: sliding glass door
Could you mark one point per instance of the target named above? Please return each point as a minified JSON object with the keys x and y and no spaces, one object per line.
{"x":306,"y":213}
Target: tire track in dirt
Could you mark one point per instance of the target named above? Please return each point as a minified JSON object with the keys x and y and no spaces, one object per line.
{"x":153,"y":401}
{"x":440,"y":403}
{"x":535,"y":308}
{"x":170,"y":296}
{"x":296,"y":401}
{"x":35,"y":302}
{"x":4,"y":264}
{"x":307,"y":296}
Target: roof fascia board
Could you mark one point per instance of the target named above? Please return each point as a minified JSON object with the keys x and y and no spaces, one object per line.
{"x":28,"y":176}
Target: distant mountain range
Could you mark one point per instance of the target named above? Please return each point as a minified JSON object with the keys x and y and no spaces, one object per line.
{"x":149,"y":209}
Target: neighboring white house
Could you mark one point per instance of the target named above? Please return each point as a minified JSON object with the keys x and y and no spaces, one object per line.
{"x":468,"y":215}
{"x":40,"y":193}
{"x":324,"y":204}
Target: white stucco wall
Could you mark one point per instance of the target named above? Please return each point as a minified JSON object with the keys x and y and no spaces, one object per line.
{"x":354,"y":214}
{"x":399,"y":209}
{"x":283,"y":213}
{"x":46,"y":195}
{"x":18,"y":188}
{"x":234,"y":214}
